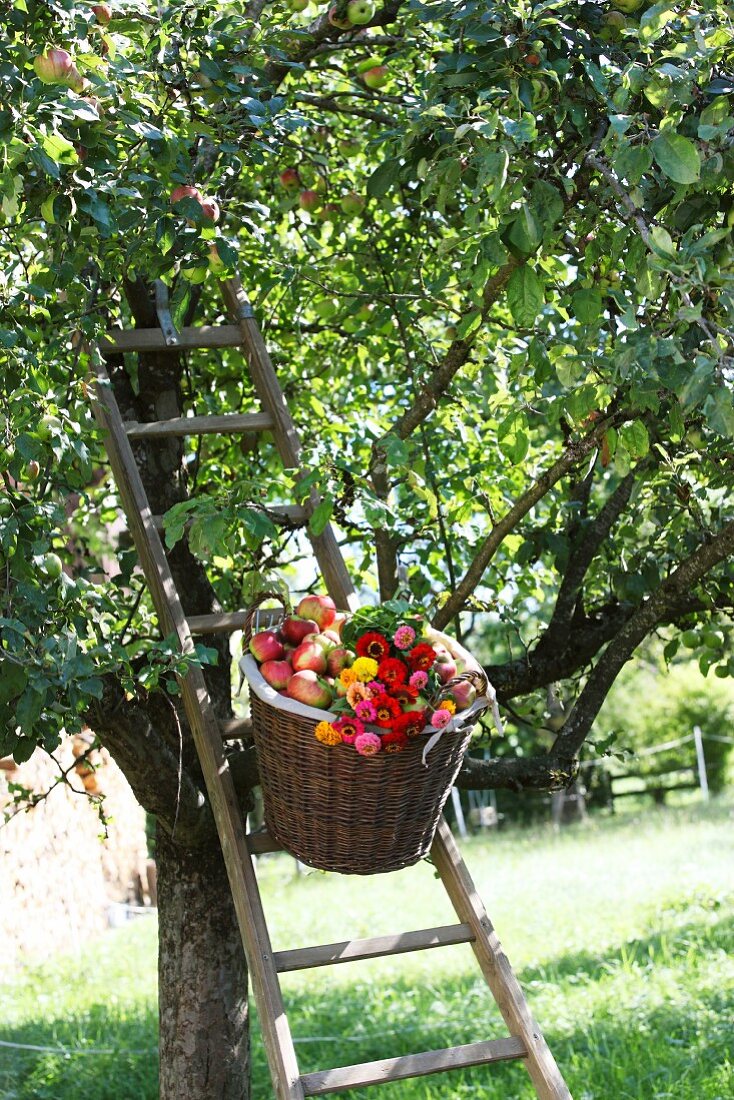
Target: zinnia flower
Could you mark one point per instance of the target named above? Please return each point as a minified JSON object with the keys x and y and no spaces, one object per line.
{"x":386,"y":710}
{"x":440,"y":718}
{"x":394,"y":741}
{"x":411,"y":723}
{"x":404,"y":637}
{"x":449,"y":705}
{"x":373,"y":645}
{"x":404,"y":694}
{"x":365,"y":710}
{"x":364,"y":668}
{"x":348,"y":676}
{"x":421,"y":657}
{"x":392,"y":671}
{"x":376,"y":688}
{"x":367,"y":744}
{"x":327,"y":734}
{"x":418,"y":680}
{"x":348,"y":729}
{"x":357,"y":692}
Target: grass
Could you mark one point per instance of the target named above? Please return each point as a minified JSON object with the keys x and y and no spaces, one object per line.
{"x":622,"y":934}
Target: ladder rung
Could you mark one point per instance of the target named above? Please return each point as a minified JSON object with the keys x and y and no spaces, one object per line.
{"x":262,"y":841}
{"x":412,"y":1065}
{"x":351,"y":950}
{"x":152,"y":339}
{"x":218,"y":624}
{"x":232,"y":423}
{"x":236,"y":729}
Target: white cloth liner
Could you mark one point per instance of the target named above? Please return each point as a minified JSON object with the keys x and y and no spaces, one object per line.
{"x":264,"y":691}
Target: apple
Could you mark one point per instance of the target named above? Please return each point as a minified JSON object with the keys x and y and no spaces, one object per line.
{"x":306,"y":687}
{"x":76,"y":81}
{"x":52,"y":567}
{"x":48,"y":426}
{"x":309,"y":657}
{"x":322,"y":640}
{"x":34,"y":470}
{"x":338,"y":21}
{"x":216,"y":263}
{"x":54,"y":66}
{"x":533,"y":59}
{"x":464,"y":695}
{"x":103,"y":13}
{"x":308,"y":200}
{"x":266,"y":647}
{"x":290,"y":179}
{"x":360,"y":12}
{"x":210,"y":210}
{"x":339,"y":620}
{"x":294,"y":630}
{"x":321,"y":609}
{"x":418,"y":704}
{"x":376,"y":77}
{"x":330,"y":212}
{"x":298,"y":5}
{"x":185,"y":191}
{"x":445,"y":666}
{"x":352,"y":203}
{"x":333,"y":636}
{"x":338,"y":659}
{"x":277,"y":673}
{"x":627,"y":6}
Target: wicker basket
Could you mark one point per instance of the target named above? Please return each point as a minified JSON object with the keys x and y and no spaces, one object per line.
{"x":337,"y":810}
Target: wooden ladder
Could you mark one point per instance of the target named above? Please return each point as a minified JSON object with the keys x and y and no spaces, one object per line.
{"x":525,"y":1041}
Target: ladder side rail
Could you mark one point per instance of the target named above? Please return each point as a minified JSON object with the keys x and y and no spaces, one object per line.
{"x":207,"y":737}
{"x":495,"y":966}
{"x":265,"y":380}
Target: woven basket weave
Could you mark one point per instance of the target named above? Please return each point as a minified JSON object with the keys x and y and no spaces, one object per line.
{"x":339,"y":811}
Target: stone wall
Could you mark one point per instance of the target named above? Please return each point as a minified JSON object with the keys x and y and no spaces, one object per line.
{"x":59,"y":874}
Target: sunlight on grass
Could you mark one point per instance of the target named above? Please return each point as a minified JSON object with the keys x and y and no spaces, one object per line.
{"x":622,"y":933}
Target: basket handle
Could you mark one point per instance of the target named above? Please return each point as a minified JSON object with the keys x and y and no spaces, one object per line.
{"x":252,"y":609}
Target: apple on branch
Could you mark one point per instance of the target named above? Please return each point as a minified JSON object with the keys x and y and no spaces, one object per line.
{"x":340,"y":21}
{"x":352,"y":203}
{"x":360,"y":12}
{"x":376,"y":77}
{"x":290,"y":179}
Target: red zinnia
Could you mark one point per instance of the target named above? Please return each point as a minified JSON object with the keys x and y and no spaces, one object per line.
{"x":411,"y":723}
{"x":394,"y":741}
{"x":387,"y":710}
{"x":404,"y":693}
{"x":373,"y":645}
{"x":421,"y":657}
{"x":392,"y":672}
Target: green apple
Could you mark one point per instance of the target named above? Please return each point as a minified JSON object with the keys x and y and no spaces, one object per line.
{"x":360,"y":12}
{"x":377,"y":77}
{"x":298,"y":5}
{"x":47,"y":426}
{"x":352,"y":203}
{"x":52,"y":567}
{"x":627,"y":6}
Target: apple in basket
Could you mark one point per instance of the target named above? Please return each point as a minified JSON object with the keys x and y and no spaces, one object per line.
{"x":445,"y":666}
{"x":266,"y":647}
{"x":309,"y":657}
{"x":338,"y":659}
{"x":339,"y":620}
{"x":321,"y":609}
{"x":306,"y":687}
{"x":294,"y":630}
{"x":464,"y":695}
{"x":322,"y":640}
{"x":277,"y":673}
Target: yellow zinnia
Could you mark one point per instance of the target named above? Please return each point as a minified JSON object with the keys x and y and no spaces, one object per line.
{"x":326,"y":734}
{"x":449,"y":705}
{"x":365,"y":669}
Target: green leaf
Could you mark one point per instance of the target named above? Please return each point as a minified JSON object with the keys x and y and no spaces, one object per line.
{"x":525,"y":233}
{"x":382,"y":179}
{"x":321,"y":516}
{"x":632,"y":161}
{"x":719,"y":411}
{"x":13,"y":679}
{"x":655,"y":19}
{"x":635,"y":439}
{"x":512,"y":439}
{"x":525,"y":296}
{"x":587,"y":305}
{"x":677,"y":157}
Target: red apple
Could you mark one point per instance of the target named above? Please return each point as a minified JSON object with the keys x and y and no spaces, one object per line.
{"x":266,"y":647}
{"x":290,"y":179}
{"x":321,"y":609}
{"x":339,"y":620}
{"x":341,"y":22}
{"x":332,"y":635}
{"x":277,"y":673}
{"x":103,"y":13}
{"x":339,"y":659}
{"x":445,"y":666}
{"x":323,"y":641}
{"x":309,"y":657}
{"x":376,"y":77}
{"x":308,"y":200}
{"x":340,"y":690}
{"x":294,"y":630}
{"x":308,"y":688}
{"x":54,"y":66}
{"x":210,"y":210}
{"x":352,"y":203}
{"x":184,"y":191}
{"x":464,"y":695}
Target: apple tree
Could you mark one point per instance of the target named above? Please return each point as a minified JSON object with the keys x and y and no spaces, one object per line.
{"x":490,"y":247}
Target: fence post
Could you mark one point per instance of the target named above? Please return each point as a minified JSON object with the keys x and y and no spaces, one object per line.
{"x":701,"y":759}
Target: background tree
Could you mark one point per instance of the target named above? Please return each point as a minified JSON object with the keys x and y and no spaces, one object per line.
{"x":490,"y":249}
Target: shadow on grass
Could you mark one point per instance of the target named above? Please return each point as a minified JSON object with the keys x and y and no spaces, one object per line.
{"x":657,"y":1045}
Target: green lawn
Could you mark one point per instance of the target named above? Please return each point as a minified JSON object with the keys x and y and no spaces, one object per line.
{"x":622,"y":933}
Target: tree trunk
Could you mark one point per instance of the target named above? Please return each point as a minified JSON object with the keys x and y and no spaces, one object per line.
{"x":204,"y":1039}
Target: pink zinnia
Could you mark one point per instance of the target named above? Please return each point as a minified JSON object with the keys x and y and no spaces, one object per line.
{"x":376,"y":687}
{"x":365,"y":711}
{"x":349,"y":728}
{"x":404,"y":637}
{"x":367,"y":744}
{"x":418,"y":680}
{"x":439,"y":719}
